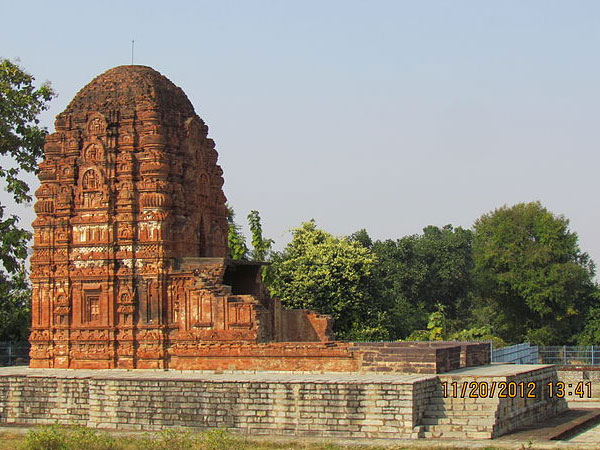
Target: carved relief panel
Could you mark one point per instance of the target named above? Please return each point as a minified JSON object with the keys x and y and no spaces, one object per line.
{"x":200,"y":313}
{"x":239,"y":314}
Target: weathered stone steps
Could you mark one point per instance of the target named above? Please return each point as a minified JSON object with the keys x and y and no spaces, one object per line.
{"x":484,"y":418}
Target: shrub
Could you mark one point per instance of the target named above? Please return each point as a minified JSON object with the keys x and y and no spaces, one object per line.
{"x":82,"y":438}
{"x":53,"y":437}
{"x":172,"y":439}
{"x":219,"y":439}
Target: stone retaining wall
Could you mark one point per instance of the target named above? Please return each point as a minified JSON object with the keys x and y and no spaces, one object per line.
{"x":525,"y":411}
{"x":316,"y":405}
{"x":276,"y":403}
{"x":471,"y":411}
{"x":572,"y":375}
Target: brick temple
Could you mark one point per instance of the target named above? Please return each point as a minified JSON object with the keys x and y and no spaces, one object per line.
{"x":130,"y":270}
{"x":130,"y":266}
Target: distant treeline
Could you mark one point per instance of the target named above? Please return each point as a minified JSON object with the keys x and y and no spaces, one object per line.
{"x":518,"y":275}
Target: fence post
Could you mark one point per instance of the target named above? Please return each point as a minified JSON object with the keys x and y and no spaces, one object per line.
{"x":593,"y":362}
{"x":10,"y":353}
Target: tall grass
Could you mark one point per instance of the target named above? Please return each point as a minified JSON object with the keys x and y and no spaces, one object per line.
{"x":57,"y":437}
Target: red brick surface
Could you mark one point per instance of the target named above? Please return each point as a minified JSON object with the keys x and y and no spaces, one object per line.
{"x":129,"y":266}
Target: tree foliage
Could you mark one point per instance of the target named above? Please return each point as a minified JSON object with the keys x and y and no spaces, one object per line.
{"x":529,"y":268}
{"x":15,"y":308}
{"x":21,"y":142}
{"x":21,"y":137}
{"x":590,"y":334}
{"x":519,"y":275}
{"x":21,"y":145}
{"x":238,"y":249}
{"x":416,"y":275}
{"x":235,"y":238}
{"x":319,"y":271}
{"x":261,"y":246}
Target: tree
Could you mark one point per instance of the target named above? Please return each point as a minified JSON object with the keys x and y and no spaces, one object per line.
{"x":590,"y":335}
{"x":394,"y":286}
{"x":328,"y":274}
{"x":236,"y":240}
{"x":446,"y":253}
{"x":21,"y":142}
{"x":15,"y":311}
{"x":528,"y":268}
{"x":418,"y":275}
{"x":238,"y":249}
{"x":261,"y":246}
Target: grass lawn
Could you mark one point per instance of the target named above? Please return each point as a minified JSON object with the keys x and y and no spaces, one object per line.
{"x":80,"y":438}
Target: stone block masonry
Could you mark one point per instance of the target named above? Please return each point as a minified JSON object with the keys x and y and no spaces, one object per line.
{"x":346,"y":405}
{"x":353,"y":405}
{"x":464,"y":406}
{"x":586,"y":378}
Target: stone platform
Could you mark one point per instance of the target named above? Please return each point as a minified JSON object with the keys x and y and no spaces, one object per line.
{"x":277,"y":403}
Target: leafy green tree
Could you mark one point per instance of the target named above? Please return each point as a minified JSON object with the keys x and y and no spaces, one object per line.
{"x":238,"y":249}
{"x":529,"y":270}
{"x":328,"y":274}
{"x":15,"y":309}
{"x":417,"y":275}
{"x":590,"y":335}
{"x":447,"y":255}
{"x":362,"y":237}
{"x":235,"y":238}
{"x":394,"y":286}
{"x":21,"y":137}
{"x":21,"y":143}
{"x":261,"y":247}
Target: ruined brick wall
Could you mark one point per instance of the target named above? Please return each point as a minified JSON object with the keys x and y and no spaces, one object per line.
{"x":415,"y":357}
{"x":304,"y":325}
{"x":475,"y":354}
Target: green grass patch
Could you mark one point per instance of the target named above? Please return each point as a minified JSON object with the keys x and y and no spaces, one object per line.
{"x":58,"y":437}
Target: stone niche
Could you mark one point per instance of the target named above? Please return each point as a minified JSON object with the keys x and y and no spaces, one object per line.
{"x":129,"y":265}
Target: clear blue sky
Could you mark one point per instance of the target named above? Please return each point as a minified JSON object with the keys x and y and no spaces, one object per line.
{"x":384,"y":115}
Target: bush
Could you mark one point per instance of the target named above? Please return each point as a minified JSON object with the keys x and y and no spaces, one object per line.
{"x":88,"y":439}
{"x":219,"y":439}
{"x":52,"y":437}
{"x":172,"y":439}
{"x":57,"y":437}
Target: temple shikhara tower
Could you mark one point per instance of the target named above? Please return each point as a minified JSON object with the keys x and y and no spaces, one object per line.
{"x":130,"y":267}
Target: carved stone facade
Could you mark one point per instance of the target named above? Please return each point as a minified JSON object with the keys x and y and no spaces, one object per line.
{"x":130,"y":265}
